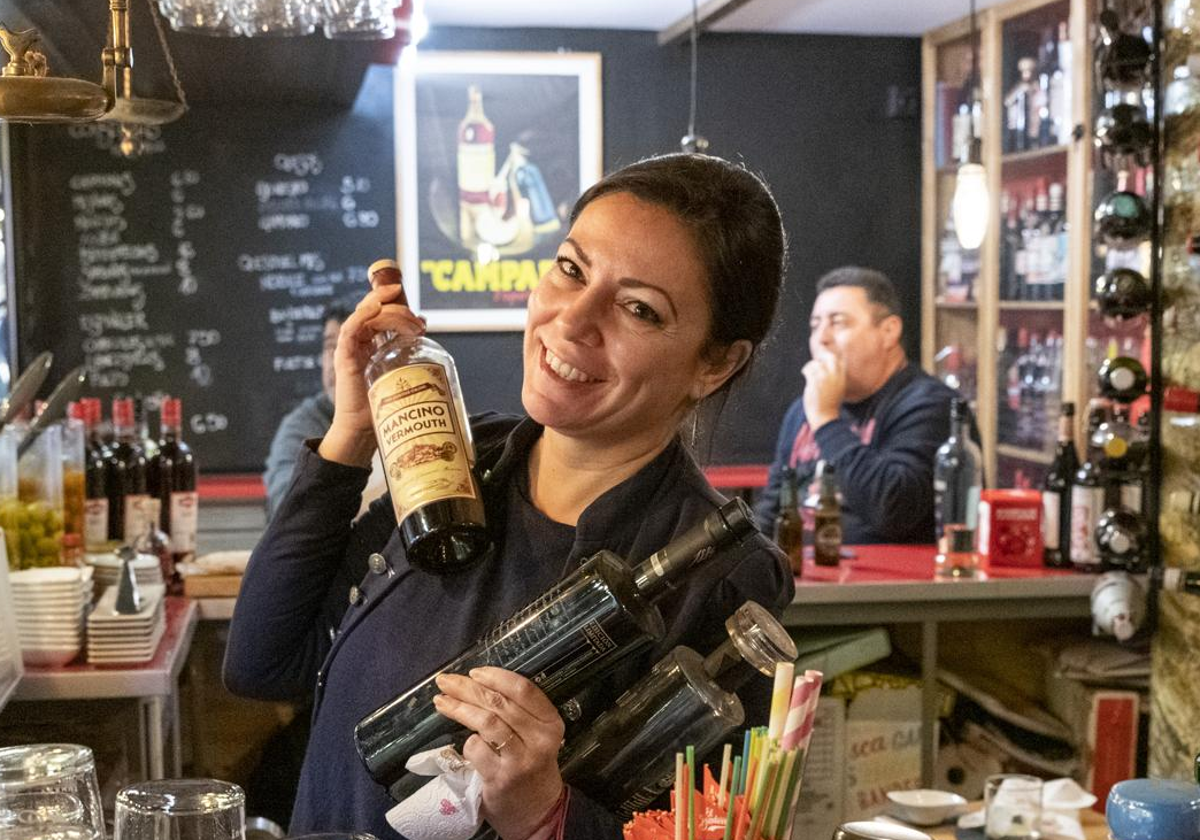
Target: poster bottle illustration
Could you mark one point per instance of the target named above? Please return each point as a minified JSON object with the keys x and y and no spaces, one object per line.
{"x":529,"y":184}
{"x":476,"y":165}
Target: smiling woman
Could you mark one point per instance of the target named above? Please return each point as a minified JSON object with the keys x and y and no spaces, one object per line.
{"x":662,"y":288}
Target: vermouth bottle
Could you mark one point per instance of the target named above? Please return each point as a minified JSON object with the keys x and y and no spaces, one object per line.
{"x":173,"y":482}
{"x":425,"y":443}
{"x":576,"y":632}
{"x":125,"y":477}
{"x":626,"y":757}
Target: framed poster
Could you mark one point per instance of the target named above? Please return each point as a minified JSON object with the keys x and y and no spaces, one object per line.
{"x":493,"y":150}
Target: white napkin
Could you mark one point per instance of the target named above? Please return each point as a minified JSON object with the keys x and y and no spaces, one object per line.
{"x":445,"y":808}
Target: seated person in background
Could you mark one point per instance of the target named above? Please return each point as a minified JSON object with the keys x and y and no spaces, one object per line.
{"x":878,"y":418}
{"x":311,"y":419}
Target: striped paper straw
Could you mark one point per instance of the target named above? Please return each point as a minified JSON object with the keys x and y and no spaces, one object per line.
{"x":802,"y":690}
{"x":784,"y":671}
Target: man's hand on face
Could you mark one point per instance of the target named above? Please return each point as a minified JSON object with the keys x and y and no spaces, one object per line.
{"x":825,"y":388}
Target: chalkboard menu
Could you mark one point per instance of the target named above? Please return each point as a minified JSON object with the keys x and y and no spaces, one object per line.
{"x":202,"y":269}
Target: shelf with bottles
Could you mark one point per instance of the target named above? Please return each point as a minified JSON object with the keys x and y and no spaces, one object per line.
{"x":1040,"y":155}
{"x":1029,"y":380}
{"x":1036,"y":61}
{"x":1034,"y":241}
{"x":957,"y":117}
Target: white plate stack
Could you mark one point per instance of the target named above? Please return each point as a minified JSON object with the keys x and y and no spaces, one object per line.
{"x":51,"y":605}
{"x":125,"y":639}
{"x":146,"y":569}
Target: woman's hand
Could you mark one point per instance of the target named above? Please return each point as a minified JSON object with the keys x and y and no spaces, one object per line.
{"x":518,"y":732}
{"x":351,"y":439}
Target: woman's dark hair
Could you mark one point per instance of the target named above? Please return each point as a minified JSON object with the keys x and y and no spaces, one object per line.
{"x":735,"y":224}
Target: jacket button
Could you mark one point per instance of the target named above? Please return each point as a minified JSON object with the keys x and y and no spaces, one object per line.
{"x":487,"y":476}
{"x":378,"y":564}
{"x":356,"y":596}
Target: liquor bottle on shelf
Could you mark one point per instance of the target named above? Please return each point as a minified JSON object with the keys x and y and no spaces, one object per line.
{"x":425,"y":442}
{"x":957,"y":478}
{"x":1122,"y":378}
{"x":1056,"y":493}
{"x":1122,"y":58}
{"x":1038,"y":246}
{"x":1088,"y":497}
{"x":476,"y":165}
{"x":789,"y":525}
{"x":1010,"y":243}
{"x":1123,"y":218}
{"x":1122,"y":294}
{"x":1030,"y":419}
{"x":827,"y":520}
{"x":950,"y":264}
{"x":1121,"y":539}
{"x":1031,"y":251}
{"x":1051,"y":378}
{"x":125,"y":483}
{"x":1047,"y":122}
{"x":95,"y":506}
{"x":1060,"y":87}
{"x":1018,"y":104}
{"x":1018,"y":360}
{"x":1057,"y":237}
{"x":173,"y":483}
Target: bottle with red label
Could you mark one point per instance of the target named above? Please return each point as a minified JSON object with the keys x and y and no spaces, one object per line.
{"x":173,"y":483}
{"x":95,"y":505}
{"x":125,"y":483}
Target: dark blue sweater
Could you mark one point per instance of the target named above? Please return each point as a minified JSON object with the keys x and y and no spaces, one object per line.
{"x":883,"y":449}
{"x":294,"y":626}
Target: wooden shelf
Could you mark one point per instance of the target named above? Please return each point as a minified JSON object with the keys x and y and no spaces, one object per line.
{"x":1033,"y":154}
{"x":1048,"y":305}
{"x":942,"y":303}
{"x":1035,"y":456}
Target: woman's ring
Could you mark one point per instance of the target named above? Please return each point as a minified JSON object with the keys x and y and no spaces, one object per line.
{"x":497,"y":748}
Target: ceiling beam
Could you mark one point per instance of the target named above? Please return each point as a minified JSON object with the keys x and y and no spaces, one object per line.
{"x":706,"y":15}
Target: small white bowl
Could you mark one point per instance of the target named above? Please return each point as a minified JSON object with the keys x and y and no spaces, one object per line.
{"x":49,"y":656}
{"x":925,"y":807}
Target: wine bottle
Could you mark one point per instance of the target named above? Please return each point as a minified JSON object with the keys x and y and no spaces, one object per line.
{"x":425,"y":441}
{"x":95,"y":505}
{"x":1123,"y":218}
{"x":1122,"y":129}
{"x":1121,"y":539}
{"x":1122,"y":378}
{"x":141,"y":419}
{"x":573,"y":633}
{"x":827,"y":520}
{"x":1056,"y":493}
{"x":1123,"y":58}
{"x":626,"y":757}
{"x":1088,"y":497}
{"x":173,"y":483}
{"x":957,"y":478}
{"x":789,"y":525}
{"x":1018,"y":107}
{"x":1122,"y":293}
{"x":125,"y":483}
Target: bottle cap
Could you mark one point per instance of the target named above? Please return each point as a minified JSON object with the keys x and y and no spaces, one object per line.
{"x":388,"y":271}
{"x":172,"y":411}
{"x":1150,"y":809}
{"x":760,"y":638}
{"x":122,"y":412}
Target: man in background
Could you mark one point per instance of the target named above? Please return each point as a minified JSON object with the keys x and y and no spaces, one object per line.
{"x":311,"y":419}
{"x":878,"y":418}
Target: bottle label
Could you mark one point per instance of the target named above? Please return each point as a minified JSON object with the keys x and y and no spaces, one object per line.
{"x":827,"y":540}
{"x":135,"y":516}
{"x":95,"y":523}
{"x":476,"y":168}
{"x":1086,"y":505}
{"x":1051,"y":499}
{"x":424,"y":452}
{"x":185,"y":518}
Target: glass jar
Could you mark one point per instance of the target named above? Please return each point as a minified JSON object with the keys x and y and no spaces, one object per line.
{"x":39,"y":519}
{"x":74,"y":489}
{"x":9,"y":503}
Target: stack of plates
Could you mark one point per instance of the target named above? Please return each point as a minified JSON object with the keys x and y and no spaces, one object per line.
{"x":146,"y":569}
{"x":116,"y":639}
{"x":51,"y":604}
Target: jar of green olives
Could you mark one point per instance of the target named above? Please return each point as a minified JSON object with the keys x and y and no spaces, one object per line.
{"x":33,"y":527}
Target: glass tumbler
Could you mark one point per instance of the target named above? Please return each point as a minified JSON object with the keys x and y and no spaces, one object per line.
{"x":49,"y":792}
{"x":180,"y":809}
{"x":359,"y":19}
{"x":1012,"y":806}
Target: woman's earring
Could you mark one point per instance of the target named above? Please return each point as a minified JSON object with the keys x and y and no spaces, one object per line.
{"x":695,"y":423}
